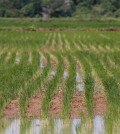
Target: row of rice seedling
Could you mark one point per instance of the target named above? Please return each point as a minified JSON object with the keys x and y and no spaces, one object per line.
{"x":52,"y":85}
{"x":32,"y":23}
{"x":18,"y":75}
{"x":70,"y":85}
{"x":89,"y":82}
{"x":112,"y":92}
{"x":26,"y":91}
{"x":34,"y":71}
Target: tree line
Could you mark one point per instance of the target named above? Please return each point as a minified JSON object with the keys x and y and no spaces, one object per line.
{"x":60,"y":8}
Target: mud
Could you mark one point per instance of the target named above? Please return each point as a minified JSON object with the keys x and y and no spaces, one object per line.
{"x":56,"y":106}
{"x":78,"y":106}
{"x":12,"y":109}
{"x":100,"y":103}
{"x":34,"y":106}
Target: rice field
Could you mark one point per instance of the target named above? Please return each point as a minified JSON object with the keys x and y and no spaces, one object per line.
{"x":59,"y":82}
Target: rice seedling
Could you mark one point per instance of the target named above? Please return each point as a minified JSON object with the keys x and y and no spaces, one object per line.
{"x":43,"y":72}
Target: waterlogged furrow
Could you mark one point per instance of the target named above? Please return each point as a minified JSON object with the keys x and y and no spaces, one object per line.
{"x":14,"y":80}
{"x":14,"y":127}
{"x":78,"y":104}
{"x":4,"y":123}
{"x":99,"y":95}
{"x":112,"y":92}
{"x":70,"y":86}
{"x":88,"y":82}
{"x":56,"y":74}
{"x":30,"y":89}
{"x":35,"y":97}
{"x":21,"y":75}
{"x":56,"y":104}
{"x":56,"y":126}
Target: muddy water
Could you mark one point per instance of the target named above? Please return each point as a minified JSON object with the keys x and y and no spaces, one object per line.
{"x":55,"y":126}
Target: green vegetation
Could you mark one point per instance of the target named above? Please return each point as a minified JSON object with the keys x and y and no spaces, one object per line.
{"x":21,"y":77}
{"x":35,"y":24}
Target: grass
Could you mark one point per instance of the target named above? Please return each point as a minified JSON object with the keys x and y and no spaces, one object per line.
{"x":6,"y":23}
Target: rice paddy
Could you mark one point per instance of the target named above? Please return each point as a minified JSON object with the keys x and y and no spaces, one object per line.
{"x":59,"y":82}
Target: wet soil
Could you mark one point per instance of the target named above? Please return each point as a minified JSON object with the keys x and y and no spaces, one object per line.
{"x":34,"y":106}
{"x":100,"y":103}
{"x":56,"y":106}
{"x":78,"y":105}
{"x":12,"y":109}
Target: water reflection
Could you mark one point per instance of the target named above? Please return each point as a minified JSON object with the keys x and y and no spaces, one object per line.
{"x":99,"y":127}
{"x":75,"y":124}
{"x":36,"y":127}
{"x":14,"y":127}
{"x":59,"y":126}
{"x":79,"y":82}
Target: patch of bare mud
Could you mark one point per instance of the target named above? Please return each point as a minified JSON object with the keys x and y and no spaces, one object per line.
{"x":35,"y":105}
{"x":56,"y":106}
{"x":12,"y":109}
{"x":78,"y":105}
{"x":100,"y":103}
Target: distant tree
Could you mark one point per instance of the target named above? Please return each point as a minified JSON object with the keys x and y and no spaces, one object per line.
{"x":57,"y":8}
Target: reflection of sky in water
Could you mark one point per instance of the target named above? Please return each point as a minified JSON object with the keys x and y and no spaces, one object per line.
{"x":99,"y":127}
{"x":37,"y":126}
{"x":79,"y":82}
{"x":13,"y":128}
{"x":58,"y":124}
{"x":75,"y":124}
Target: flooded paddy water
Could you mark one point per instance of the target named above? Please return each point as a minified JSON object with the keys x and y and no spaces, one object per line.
{"x":52,"y":126}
